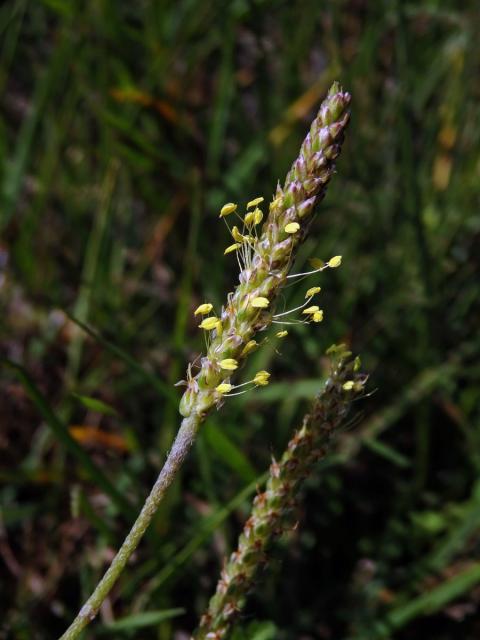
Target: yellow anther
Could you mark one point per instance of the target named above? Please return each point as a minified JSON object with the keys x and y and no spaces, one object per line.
{"x":261,"y":378}
{"x":334,"y":262}
{"x":254,"y":202}
{"x":281,"y":334}
{"x":249,"y":347}
{"x":224,"y":388}
{"x":253,"y":217}
{"x":249,"y":219}
{"x":260,"y":303}
{"x":232,"y":247}
{"x":237,"y":236}
{"x":292,"y":227}
{"x":227,"y":209}
{"x":257,"y":216}
{"x":317,"y":316}
{"x":203,"y":309}
{"x":348,"y":386}
{"x":209,"y":323}
{"x":312,"y":291}
{"x":229,"y":364}
{"x":312,"y":309}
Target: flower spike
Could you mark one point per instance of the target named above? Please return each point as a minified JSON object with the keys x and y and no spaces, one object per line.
{"x":266,"y":258}
{"x":273,"y":511}
{"x":265,"y":262}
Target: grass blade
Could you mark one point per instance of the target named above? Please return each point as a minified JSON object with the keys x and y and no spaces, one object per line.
{"x":62,"y":434}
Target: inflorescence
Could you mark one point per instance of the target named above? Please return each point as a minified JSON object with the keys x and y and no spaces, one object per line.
{"x":245,"y":248}
{"x":274,"y":509}
{"x":265,"y":258}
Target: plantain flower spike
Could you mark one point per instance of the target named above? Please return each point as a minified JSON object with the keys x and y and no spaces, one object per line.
{"x":267,"y":257}
{"x":273,"y":511}
{"x":265,"y":260}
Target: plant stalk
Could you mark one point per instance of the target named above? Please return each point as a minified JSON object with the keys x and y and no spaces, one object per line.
{"x":180,"y":448}
{"x":267,"y":261}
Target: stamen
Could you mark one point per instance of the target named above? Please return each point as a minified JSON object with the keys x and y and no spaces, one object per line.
{"x":260,"y":303}
{"x":203,"y":309}
{"x":292,"y":322}
{"x":285,"y":313}
{"x":227,"y":209}
{"x":238,"y":393}
{"x":308,"y":273}
{"x":254,"y":202}
{"x":209,"y":323}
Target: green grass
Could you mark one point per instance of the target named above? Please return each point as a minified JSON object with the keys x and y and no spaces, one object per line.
{"x":124,"y":127}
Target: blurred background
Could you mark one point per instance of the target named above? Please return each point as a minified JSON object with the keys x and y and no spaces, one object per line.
{"x":124,"y":127}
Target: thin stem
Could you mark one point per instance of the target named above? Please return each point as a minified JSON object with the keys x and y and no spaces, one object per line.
{"x":239,"y":393}
{"x":285,"y":313}
{"x":306,"y":273}
{"x":180,"y":448}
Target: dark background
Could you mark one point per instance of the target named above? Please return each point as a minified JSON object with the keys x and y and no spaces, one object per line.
{"x":124,"y":127}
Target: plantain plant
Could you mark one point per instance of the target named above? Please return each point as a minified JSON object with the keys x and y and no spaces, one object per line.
{"x":265,"y":256}
{"x":273,"y":511}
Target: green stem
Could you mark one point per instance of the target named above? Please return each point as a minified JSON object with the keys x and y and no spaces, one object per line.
{"x":180,"y":448}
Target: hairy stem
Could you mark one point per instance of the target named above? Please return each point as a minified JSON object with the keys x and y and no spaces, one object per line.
{"x":180,"y":448}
